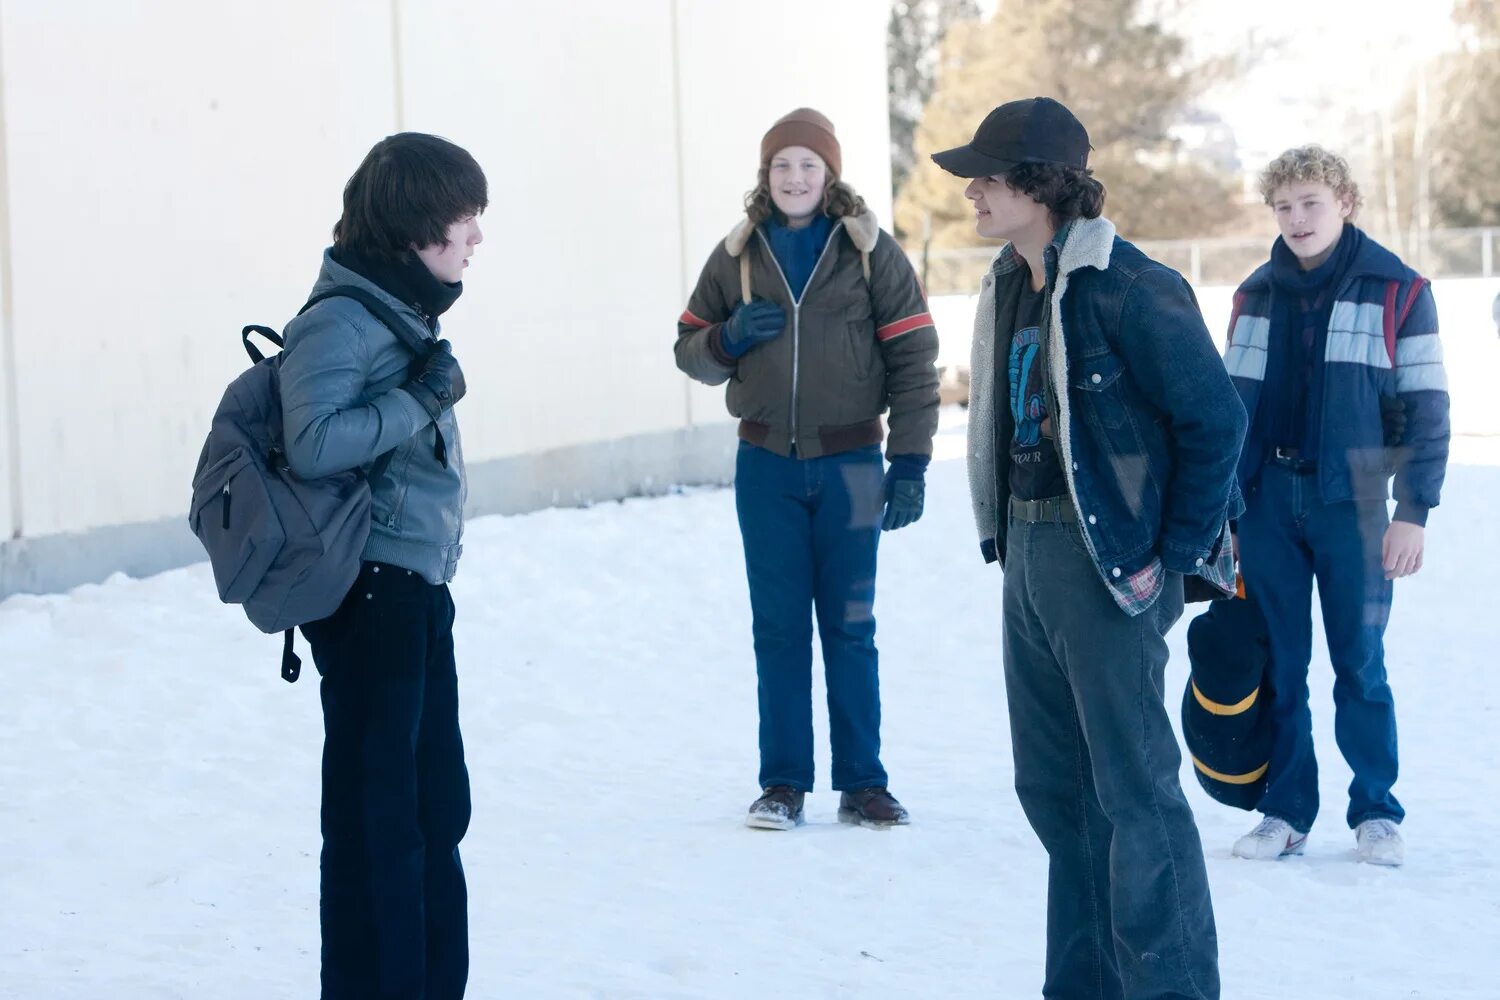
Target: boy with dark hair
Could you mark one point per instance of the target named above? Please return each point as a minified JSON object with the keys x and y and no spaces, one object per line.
{"x":1326,"y":335}
{"x":1102,"y":438}
{"x":393,"y":906}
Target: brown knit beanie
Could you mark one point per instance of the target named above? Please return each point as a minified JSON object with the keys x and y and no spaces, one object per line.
{"x":804,"y":127}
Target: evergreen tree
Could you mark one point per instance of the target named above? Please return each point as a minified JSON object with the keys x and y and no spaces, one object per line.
{"x":1127,"y":77}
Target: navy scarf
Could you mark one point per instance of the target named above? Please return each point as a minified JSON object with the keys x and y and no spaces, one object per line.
{"x":408,"y":280}
{"x":798,"y":250}
{"x":1300,"y":301}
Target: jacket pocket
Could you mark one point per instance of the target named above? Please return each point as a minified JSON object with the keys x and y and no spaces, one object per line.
{"x":388,"y":493}
{"x":762,"y":388}
{"x":860,"y":352}
{"x":1101,"y":389}
{"x":233,"y":517}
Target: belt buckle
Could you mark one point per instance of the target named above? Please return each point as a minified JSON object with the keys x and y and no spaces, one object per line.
{"x":1285,"y":455}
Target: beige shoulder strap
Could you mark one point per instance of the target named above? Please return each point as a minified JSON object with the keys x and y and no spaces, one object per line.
{"x":864,"y":262}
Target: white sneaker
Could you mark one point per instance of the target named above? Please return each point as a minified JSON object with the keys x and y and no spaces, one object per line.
{"x":1273,"y":838}
{"x":1380,"y":843}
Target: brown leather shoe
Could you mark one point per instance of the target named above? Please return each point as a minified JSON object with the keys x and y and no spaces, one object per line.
{"x":872,"y":807}
{"x":778,"y":808}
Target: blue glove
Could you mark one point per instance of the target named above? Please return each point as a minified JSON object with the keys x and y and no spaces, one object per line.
{"x":752,"y":324}
{"x":905,"y":490}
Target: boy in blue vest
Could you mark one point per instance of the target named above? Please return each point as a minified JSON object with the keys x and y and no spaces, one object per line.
{"x":1330,"y":332}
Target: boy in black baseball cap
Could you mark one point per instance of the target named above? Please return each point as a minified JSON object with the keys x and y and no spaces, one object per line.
{"x":1103,"y":432}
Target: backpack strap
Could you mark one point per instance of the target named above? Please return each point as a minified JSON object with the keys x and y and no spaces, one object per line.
{"x":1394,"y":322}
{"x":864,"y":263}
{"x":380,"y":310}
{"x":419,"y":346}
{"x":291,"y":663}
{"x":1415,"y":293}
{"x":1234,"y":319}
{"x":265,"y":331}
{"x":1390,"y":321}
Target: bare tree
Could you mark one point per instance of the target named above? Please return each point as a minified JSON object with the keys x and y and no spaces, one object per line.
{"x":916,"y":30}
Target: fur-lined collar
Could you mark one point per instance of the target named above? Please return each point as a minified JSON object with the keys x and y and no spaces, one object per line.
{"x":1087,"y":243}
{"x":863,"y":230}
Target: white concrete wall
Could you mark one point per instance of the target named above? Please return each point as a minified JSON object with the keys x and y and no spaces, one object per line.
{"x":169,"y":181}
{"x":753,"y":67}
{"x":172,"y":169}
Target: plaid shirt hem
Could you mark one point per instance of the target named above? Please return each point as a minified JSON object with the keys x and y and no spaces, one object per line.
{"x":1138,"y":591}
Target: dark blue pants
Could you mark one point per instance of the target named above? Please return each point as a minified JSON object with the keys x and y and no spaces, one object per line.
{"x":1288,"y":538}
{"x":811,"y":528}
{"x":1128,"y":907}
{"x":394,"y":908}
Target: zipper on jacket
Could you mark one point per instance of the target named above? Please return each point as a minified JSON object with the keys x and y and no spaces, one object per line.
{"x":1346,"y":285}
{"x":797,"y":310}
{"x":226,"y":506}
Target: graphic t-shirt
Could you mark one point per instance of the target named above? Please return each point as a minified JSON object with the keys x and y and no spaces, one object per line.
{"x":1035,"y":472}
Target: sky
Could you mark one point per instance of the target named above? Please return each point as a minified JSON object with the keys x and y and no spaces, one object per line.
{"x":1355,"y":55}
{"x":1306,"y":54}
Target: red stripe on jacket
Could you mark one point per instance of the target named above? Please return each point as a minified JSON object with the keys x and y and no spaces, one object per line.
{"x":691,"y":320}
{"x":893,"y":330}
{"x":1234,"y":318}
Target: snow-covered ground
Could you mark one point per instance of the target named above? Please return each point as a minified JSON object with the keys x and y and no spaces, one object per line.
{"x":159,"y":785}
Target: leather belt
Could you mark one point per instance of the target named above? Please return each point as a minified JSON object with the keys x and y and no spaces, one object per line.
{"x":1057,"y":510}
{"x":1292,"y":459}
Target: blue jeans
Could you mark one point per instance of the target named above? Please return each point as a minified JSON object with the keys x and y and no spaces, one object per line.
{"x":394,"y":905}
{"x":811,"y":528}
{"x":1128,"y":907}
{"x":1288,"y":538}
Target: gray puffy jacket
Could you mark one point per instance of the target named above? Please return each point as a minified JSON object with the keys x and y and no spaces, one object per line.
{"x":342,"y":409}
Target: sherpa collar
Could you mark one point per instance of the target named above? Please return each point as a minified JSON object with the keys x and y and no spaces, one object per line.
{"x":1089,"y":243}
{"x":863,"y":230}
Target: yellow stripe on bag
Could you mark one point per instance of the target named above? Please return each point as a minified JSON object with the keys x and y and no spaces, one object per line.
{"x":1218,"y":709}
{"x":1248,"y":778}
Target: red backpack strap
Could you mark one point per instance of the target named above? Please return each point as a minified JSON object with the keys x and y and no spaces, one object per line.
{"x":1388,"y":317}
{"x":1394,"y":322}
{"x":1411,"y":299}
{"x":1234,"y":318}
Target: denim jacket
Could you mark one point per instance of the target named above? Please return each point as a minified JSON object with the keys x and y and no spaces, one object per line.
{"x":1149,"y":426}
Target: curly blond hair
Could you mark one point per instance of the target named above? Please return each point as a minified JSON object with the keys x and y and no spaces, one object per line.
{"x":1311,"y":165}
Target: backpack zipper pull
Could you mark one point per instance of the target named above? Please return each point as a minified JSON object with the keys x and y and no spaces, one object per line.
{"x":226,"y":506}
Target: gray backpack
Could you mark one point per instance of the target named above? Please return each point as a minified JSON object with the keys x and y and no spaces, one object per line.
{"x":287,"y":549}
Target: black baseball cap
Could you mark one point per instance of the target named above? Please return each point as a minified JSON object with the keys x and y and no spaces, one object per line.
{"x":1034,"y":130}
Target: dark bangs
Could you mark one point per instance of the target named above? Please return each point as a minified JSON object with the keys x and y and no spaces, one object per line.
{"x":410,"y":188}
